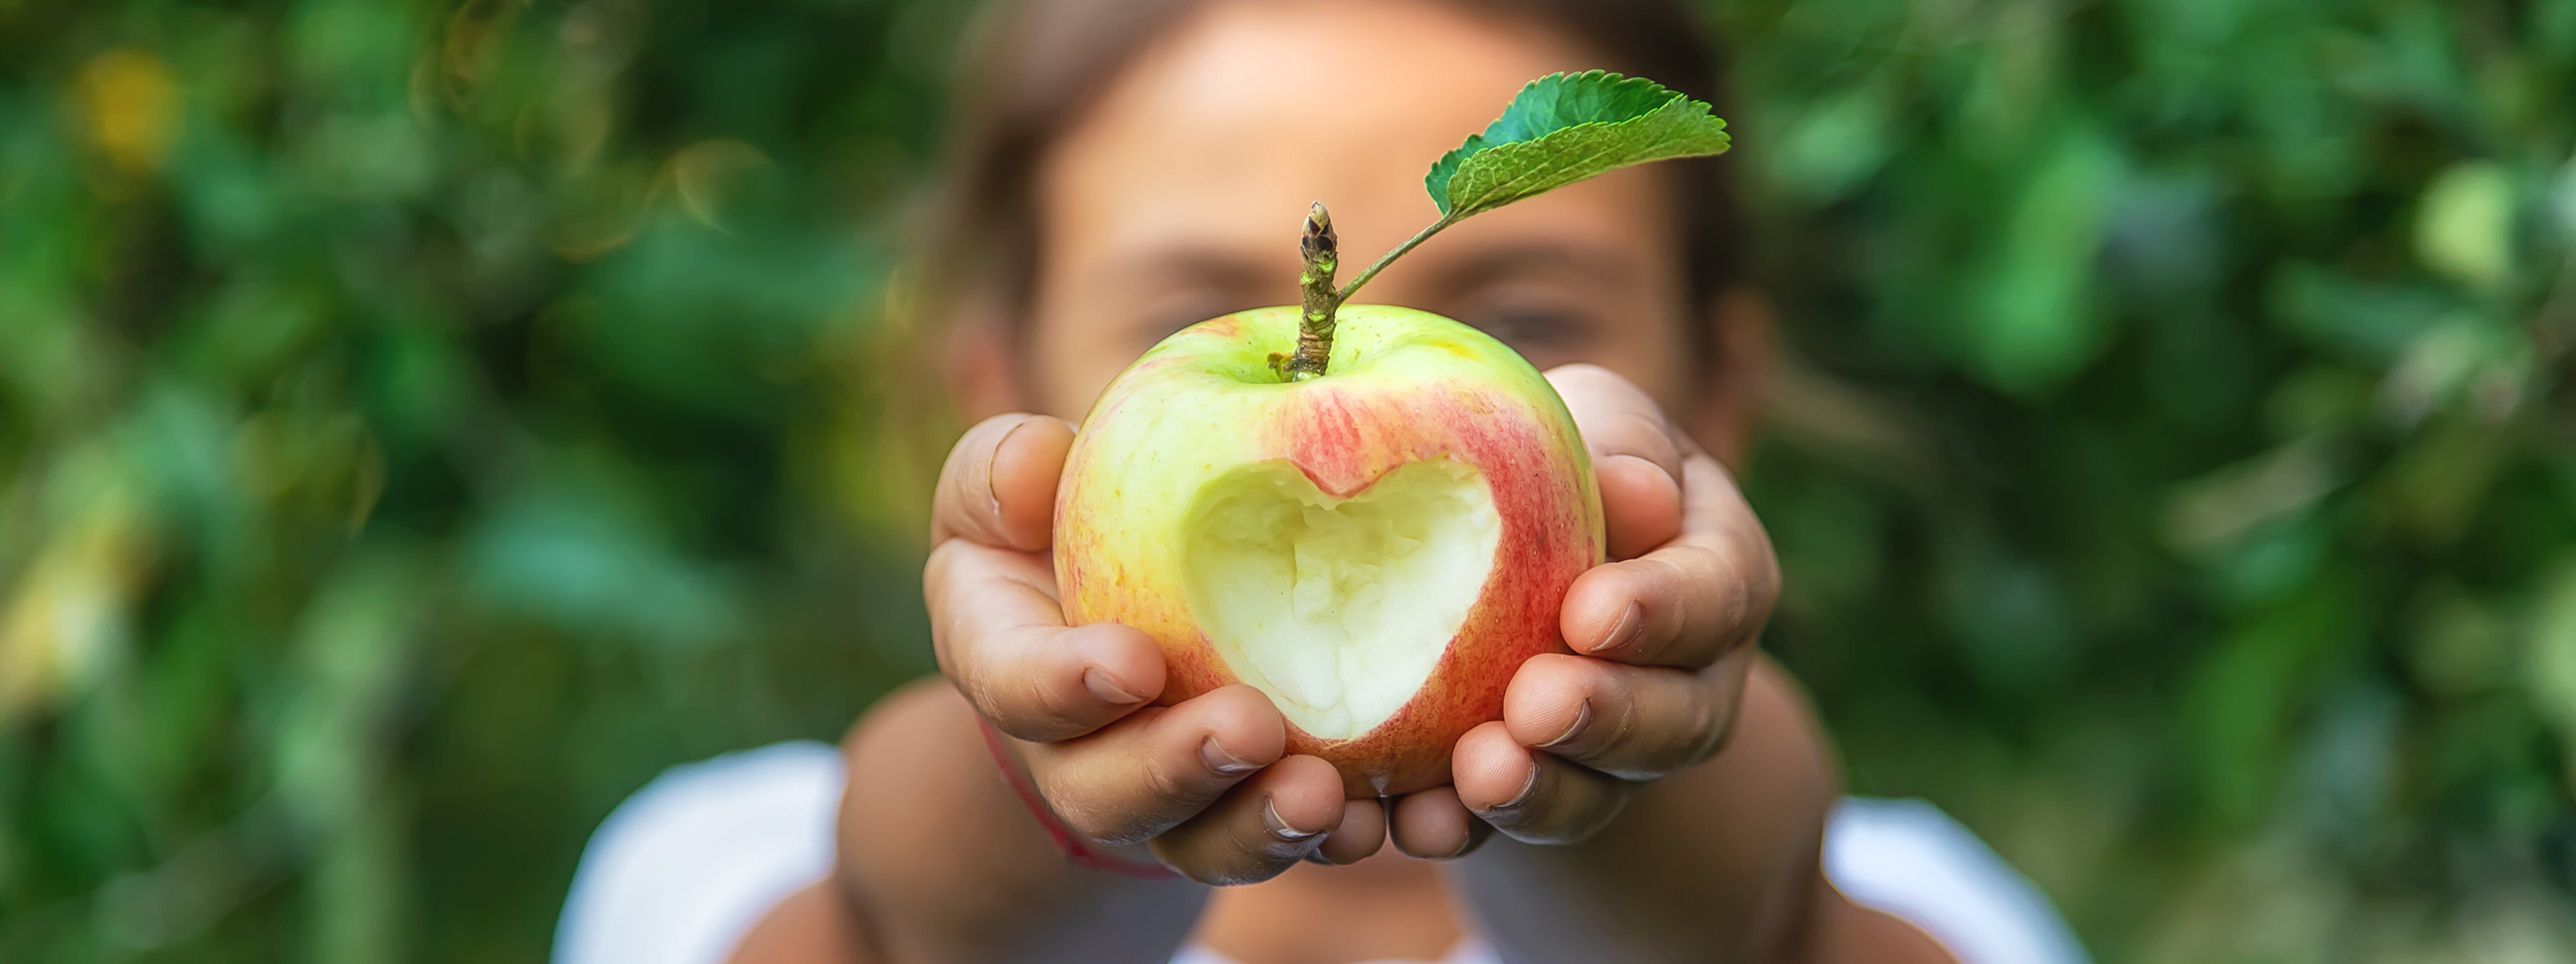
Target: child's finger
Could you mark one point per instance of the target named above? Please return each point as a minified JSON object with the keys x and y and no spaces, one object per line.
{"x":998,"y":486}
{"x":1641,"y":506}
{"x":1148,"y":773}
{"x":1686,"y":604}
{"x":1361,"y":833}
{"x":1618,"y":418}
{"x":1636,"y":456}
{"x":1530,"y":796}
{"x":1001,"y":640}
{"x":1631,"y":722}
{"x":1432,"y":825}
{"x":1260,"y":828}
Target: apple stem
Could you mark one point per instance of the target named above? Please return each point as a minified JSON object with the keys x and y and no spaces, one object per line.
{"x":1320,"y":252}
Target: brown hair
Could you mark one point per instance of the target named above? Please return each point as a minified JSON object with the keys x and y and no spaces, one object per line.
{"x":1034,"y":64}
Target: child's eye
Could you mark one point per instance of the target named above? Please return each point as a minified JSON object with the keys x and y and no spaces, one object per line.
{"x":1536,"y":331}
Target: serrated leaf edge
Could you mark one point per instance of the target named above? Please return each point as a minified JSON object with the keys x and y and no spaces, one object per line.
{"x":1679,"y":104}
{"x":1443,"y":172}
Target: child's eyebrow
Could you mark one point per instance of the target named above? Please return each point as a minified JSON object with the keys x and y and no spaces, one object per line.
{"x":1211,"y":266}
{"x":1506,"y":260}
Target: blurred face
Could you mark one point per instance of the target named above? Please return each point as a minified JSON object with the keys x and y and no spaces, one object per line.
{"x":1178,"y":197}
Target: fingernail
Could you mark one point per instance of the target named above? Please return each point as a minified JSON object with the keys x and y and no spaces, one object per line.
{"x":1280,"y":828}
{"x":1466,"y":842}
{"x":1223,"y":762}
{"x":1105,"y":689}
{"x":1632,"y":623}
{"x":1529,"y":788}
{"x":1582,"y":718}
{"x":993,"y":465}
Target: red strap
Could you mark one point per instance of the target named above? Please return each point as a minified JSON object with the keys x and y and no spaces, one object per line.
{"x":1075,"y":851}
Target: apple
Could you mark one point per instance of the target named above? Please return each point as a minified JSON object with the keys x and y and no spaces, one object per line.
{"x":1378,"y":548}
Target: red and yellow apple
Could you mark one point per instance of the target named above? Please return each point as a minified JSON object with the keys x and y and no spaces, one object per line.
{"x":1378,"y":548}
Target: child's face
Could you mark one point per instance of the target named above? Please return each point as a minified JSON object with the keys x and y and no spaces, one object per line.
{"x":1178,"y":196}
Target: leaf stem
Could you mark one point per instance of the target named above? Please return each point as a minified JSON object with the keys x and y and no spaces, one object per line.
{"x":1388,"y":258}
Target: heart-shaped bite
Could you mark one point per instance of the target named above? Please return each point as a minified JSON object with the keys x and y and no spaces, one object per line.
{"x":1339,"y":609}
{"x":1377,"y":549}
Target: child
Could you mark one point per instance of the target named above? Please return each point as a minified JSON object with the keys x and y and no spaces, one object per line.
{"x":1128,"y":167}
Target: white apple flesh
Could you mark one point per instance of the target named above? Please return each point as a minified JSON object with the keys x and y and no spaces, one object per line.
{"x":1378,"y":549}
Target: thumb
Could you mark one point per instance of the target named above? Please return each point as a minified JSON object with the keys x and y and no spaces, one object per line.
{"x":998,"y":487}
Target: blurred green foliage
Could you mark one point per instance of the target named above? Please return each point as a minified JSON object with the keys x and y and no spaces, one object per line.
{"x":2191,"y":503}
{"x":421,"y":422}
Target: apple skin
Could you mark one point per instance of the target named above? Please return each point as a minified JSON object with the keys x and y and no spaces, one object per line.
{"x":1402,"y":386}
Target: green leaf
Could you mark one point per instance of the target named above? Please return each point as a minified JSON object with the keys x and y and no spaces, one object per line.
{"x":1567,"y":127}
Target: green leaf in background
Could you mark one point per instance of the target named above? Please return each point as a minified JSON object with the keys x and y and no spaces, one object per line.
{"x":1567,"y":127}
{"x":1560,"y":129}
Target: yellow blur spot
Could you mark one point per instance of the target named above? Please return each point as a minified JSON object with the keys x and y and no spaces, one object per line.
{"x":132,"y":107}
{"x":69,"y":611}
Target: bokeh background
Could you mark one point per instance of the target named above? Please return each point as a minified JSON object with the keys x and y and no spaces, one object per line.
{"x":423,"y":422}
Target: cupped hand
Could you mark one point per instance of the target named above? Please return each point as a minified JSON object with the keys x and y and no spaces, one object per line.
{"x":1203,"y":783}
{"x":1663,"y":639}
{"x":1663,"y":636}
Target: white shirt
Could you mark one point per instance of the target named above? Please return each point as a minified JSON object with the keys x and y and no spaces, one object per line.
{"x":684,"y":868}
